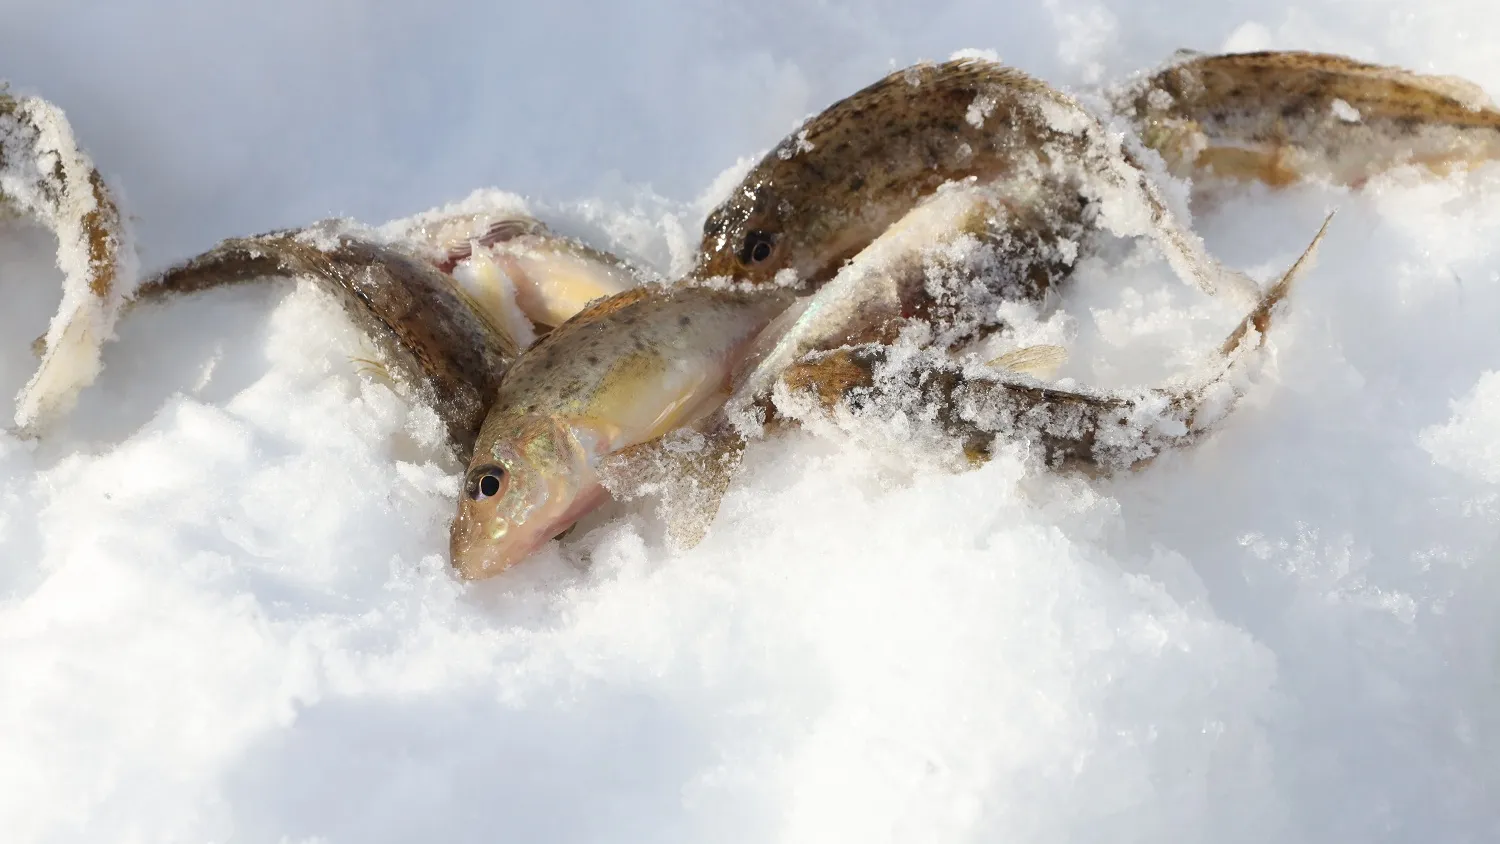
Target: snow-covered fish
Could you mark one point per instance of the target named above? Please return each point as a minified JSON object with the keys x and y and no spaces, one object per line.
{"x":528,"y":276}
{"x":953,"y":239}
{"x":46,"y":175}
{"x":446,"y":320}
{"x":1093,"y":430}
{"x":828,"y":189}
{"x":426,"y":332}
{"x":1284,"y":117}
{"x":623,"y":372}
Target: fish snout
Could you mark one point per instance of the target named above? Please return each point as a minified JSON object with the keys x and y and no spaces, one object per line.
{"x":483,"y":545}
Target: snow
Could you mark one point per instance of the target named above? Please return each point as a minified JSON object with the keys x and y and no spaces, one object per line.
{"x":225,"y":611}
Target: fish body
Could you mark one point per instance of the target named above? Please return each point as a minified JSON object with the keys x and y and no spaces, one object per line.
{"x":943,"y":242}
{"x":426,"y":332}
{"x":446,"y":321}
{"x":1096,"y":431}
{"x":949,"y":242}
{"x":46,"y":175}
{"x":1284,"y":117}
{"x":623,"y":372}
{"x":830,"y":188}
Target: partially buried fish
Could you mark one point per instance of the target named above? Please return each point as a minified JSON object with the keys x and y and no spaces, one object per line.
{"x":623,"y":372}
{"x":828,"y":189}
{"x":859,"y":387}
{"x":1286,"y":117}
{"x":446,"y":321}
{"x":820,"y":197}
{"x":46,"y":175}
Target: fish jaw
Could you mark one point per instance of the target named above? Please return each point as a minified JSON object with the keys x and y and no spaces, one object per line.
{"x":477,"y":559}
{"x":546,"y":481}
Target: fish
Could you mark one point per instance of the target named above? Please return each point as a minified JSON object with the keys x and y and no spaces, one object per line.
{"x":433,"y":339}
{"x":950,"y":235}
{"x":1095,"y":432}
{"x":446,"y":310}
{"x":625,"y":371}
{"x":951,"y":238}
{"x":846,"y":179}
{"x":46,"y":175}
{"x":1285,"y":117}
{"x":832,"y":186}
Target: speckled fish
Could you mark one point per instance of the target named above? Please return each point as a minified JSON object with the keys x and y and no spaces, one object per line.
{"x":1285,"y":117}
{"x":1099,"y":432}
{"x":45,"y":175}
{"x":427,"y":333}
{"x":827,"y":190}
{"x":624,"y":371}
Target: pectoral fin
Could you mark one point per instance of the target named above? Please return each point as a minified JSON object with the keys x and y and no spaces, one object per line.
{"x":687,"y":471}
{"x":1039,"y":361}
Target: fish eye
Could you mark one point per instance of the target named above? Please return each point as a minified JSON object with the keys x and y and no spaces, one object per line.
{"x":485,"y":482}
{"x":757,"y":247}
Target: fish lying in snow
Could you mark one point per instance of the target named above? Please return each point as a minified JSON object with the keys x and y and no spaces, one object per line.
{"x":783,"y":336}
{"x":624,"y":372}
{"x":45,"y":175}
{"x":822,"y":196}
{"x":859,"y":387}
{"x":828,"y":189}
{"x":1285,"y":117}
{"x":427,"y":333}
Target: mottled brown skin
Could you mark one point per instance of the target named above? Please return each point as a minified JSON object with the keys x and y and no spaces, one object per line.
{"x":876,"y":153}
{"x":431,"y":337}
{"x":1273,"y":117}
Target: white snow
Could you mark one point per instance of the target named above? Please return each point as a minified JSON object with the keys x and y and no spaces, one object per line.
{"x":225,"y":612}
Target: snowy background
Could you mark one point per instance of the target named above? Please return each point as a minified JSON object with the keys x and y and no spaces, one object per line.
{"x":225,"y":612}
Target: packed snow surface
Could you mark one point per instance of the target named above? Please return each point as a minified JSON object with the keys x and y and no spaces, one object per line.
{"x":225,"y":608}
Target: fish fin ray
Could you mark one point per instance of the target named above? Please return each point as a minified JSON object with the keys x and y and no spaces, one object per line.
{"x":1041,"y":361}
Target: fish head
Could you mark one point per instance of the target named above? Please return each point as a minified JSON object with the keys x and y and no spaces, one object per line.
{"x":521,"y":490}
{"x":746,"y":236}
{"x":778,"y":222}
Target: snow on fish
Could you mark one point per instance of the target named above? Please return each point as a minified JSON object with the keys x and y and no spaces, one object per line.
{"x":45,"y":174}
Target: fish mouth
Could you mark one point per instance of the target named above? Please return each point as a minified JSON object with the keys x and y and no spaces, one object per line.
{"x":478,"y":554}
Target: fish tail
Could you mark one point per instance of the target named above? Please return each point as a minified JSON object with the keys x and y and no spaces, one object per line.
{"x":430,"y":334}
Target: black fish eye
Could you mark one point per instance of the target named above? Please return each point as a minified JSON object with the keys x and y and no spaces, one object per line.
{"x":757,"y":247}
{"x":485,"y":482}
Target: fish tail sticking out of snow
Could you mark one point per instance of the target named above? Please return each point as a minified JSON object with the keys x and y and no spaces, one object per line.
{"x":1096,"y":431}
{"x":47,"y":176}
